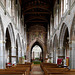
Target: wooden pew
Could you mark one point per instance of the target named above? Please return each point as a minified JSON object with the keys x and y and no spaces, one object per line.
{"x":20,"y":69}
{"x":58,"y":71}
{"x":24,"y":65}
{"x":11,"y":72}
{"x":25,"y":70}
{"x":48,"y":71}
{"x":53,"y":69}
{"x":28,"y":65}
{"x":48,"y":65}
{"x":64,"y":73}
{"x":67,"y":72}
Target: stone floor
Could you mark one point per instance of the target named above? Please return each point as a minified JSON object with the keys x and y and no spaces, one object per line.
{"x":36,"y":70}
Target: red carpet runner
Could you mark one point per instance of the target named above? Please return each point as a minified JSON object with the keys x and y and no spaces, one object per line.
{"x":36,"y":70}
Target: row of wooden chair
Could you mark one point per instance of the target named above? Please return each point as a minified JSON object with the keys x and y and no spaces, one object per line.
{"x":19,"y":69}
{"x":54,"y":69}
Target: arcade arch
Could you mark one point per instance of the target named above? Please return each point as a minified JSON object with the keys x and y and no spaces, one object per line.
{"x":72,"y":45}
{"x":2,"y":45}
{"x":10,"y":45}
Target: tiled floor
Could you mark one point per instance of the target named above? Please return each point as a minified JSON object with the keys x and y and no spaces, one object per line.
{"x":36,"y":70}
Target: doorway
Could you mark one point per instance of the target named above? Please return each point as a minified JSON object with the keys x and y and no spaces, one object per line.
{"x":36,"y":52}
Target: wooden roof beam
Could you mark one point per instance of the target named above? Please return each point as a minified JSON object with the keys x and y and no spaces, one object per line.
{"x":37,"y":21}
{"x":38,"y":6}
{"x":37,"y":13}
{"x":33,"y":18}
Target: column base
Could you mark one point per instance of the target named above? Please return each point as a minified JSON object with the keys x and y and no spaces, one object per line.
{"x":2,"y":63}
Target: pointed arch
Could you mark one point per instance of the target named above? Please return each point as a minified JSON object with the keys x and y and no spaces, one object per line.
{"x":40,"y":43}
{"x":10,"y":27}
{"x":64,"y":42}
{"x":10,"y":43}
{"x":62,"y":33}
{"x":72,"y":30}
{"x":36,"y":40}
{"x":72,"y":44}
{"x":11,"y":33}
{"x":1,"y":29}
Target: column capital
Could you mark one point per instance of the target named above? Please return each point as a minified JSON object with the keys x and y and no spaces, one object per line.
{"x":13,"y":47}
{"x":70,"y":42}
{"x":61,"y":47}
{"x":2,"y":41}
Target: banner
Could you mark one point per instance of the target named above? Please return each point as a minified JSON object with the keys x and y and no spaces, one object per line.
{"x":59,"y":61}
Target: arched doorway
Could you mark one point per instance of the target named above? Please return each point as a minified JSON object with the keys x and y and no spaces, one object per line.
{"x":36,"y":52}
{"x":8,"y":46}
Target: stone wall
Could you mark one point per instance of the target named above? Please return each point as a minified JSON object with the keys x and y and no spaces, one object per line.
{"x":15,"y":27}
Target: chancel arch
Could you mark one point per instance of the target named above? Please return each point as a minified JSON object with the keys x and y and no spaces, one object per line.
{"x":36,"y":52}
{"x":39,"y":43}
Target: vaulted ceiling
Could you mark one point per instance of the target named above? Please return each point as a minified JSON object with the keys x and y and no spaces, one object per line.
{"x":37,"y":11}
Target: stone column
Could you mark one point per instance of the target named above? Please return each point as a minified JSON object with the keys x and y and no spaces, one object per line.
{"x":61,"y":54}
{"x":54,"y":56}
{"x":23,"y":49}
{"x":48,"y":39}
{"x":58,"y":10}
{"x":33,"y":55}
{"x":23,"y":52}
{"x":13,"y":55}
{"x":62,"y":7}
{"x":61,"y":51}
{"x":2,"y":54}
{"x":19,"y":52}
{"x":40,"y":55}
{"x":52,"y":25}
{"x":72,"y":55}
{"x":12,"y":8}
